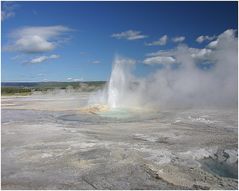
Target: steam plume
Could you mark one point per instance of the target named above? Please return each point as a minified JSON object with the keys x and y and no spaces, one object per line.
{"x":197,"y":78}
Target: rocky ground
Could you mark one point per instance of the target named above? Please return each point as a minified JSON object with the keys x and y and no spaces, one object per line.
{"x":49,"y":143}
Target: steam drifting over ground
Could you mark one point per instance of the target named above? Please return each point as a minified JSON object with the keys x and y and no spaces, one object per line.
{"x":189,"y":77}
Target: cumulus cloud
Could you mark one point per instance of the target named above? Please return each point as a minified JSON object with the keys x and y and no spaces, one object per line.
{"x":160,"y":57}
{"x":41,"y":59}
{"x":202,"y":38}
{"x":78,"y":79}
{"x":54,"y":56}
{"x":129,"y":35}
{"x":159,"y":53}
{"x":159,"y":42}
{"x":178,"y":39}
{"x":171,"y":56}
{"x":37,"y":39}
{"x":75,"y":79}
{"x":8,"y":10}
{"x":159,"y":60}
{"x":38,"y":60}
{"x":200,"y":53}
{"x":213,"y":44}
{"x":227,"y":35}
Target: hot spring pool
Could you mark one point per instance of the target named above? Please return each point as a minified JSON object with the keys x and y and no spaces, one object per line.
{"x":119,"y":113}
{"x":220,"y":168}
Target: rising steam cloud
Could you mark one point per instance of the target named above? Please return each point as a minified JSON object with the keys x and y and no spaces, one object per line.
{"x":190,"y":77}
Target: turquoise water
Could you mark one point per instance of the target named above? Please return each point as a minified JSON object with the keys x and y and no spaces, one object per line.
{"x":118,"y":113}
{"x":220,"y":168}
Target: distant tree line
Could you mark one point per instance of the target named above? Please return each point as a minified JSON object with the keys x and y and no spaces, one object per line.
{"x":25,"y":88}
{"x":13,"y":90}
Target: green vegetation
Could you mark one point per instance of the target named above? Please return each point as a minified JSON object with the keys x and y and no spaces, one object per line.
{"x":15,"y":90}
{"x":26,"y":88}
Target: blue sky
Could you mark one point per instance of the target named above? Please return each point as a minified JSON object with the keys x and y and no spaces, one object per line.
{"x":71,"y":41}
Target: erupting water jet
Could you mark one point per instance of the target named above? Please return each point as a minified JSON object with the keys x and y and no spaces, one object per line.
{"x":118,"y":96}
{"x":119,"y":82}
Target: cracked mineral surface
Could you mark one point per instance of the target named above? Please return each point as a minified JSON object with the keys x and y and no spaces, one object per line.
{"x":48,"y":142}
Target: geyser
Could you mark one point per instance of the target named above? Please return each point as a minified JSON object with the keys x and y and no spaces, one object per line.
{"x":196,"y":78}
{"x":119,"y":83}
{"x":118,"y":95}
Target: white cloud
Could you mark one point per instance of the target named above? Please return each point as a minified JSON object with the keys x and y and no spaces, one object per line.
{"x":172,"y":56}
{"x":160,"y":53}
{"x":213,"y":44}
{"x":227,"y":35}
{"x":178,"y":39}
{"x":41,"y":59}
{"x":96,"y":62}
{"x":8,"y":10}
{"x":202,"y":38}
{"x":78,"y":79}
{"x":33,"y":44}
{"x":5,"y":15}
{"x":75,"y":79}
{"x":129,"y":35}
{"x":37,"y":39}
{"x":195,"y":54}
{"x":38,"y":60}
{"x":201,"y":53}
{"x":159,"y":60}
{"x":54,"y":56}
{"x":159,"y":42}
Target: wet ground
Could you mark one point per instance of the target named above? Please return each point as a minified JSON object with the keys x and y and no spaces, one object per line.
{"x":49,"y":143}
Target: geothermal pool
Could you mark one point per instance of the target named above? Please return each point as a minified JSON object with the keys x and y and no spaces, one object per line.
{"x":52,"y":142}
